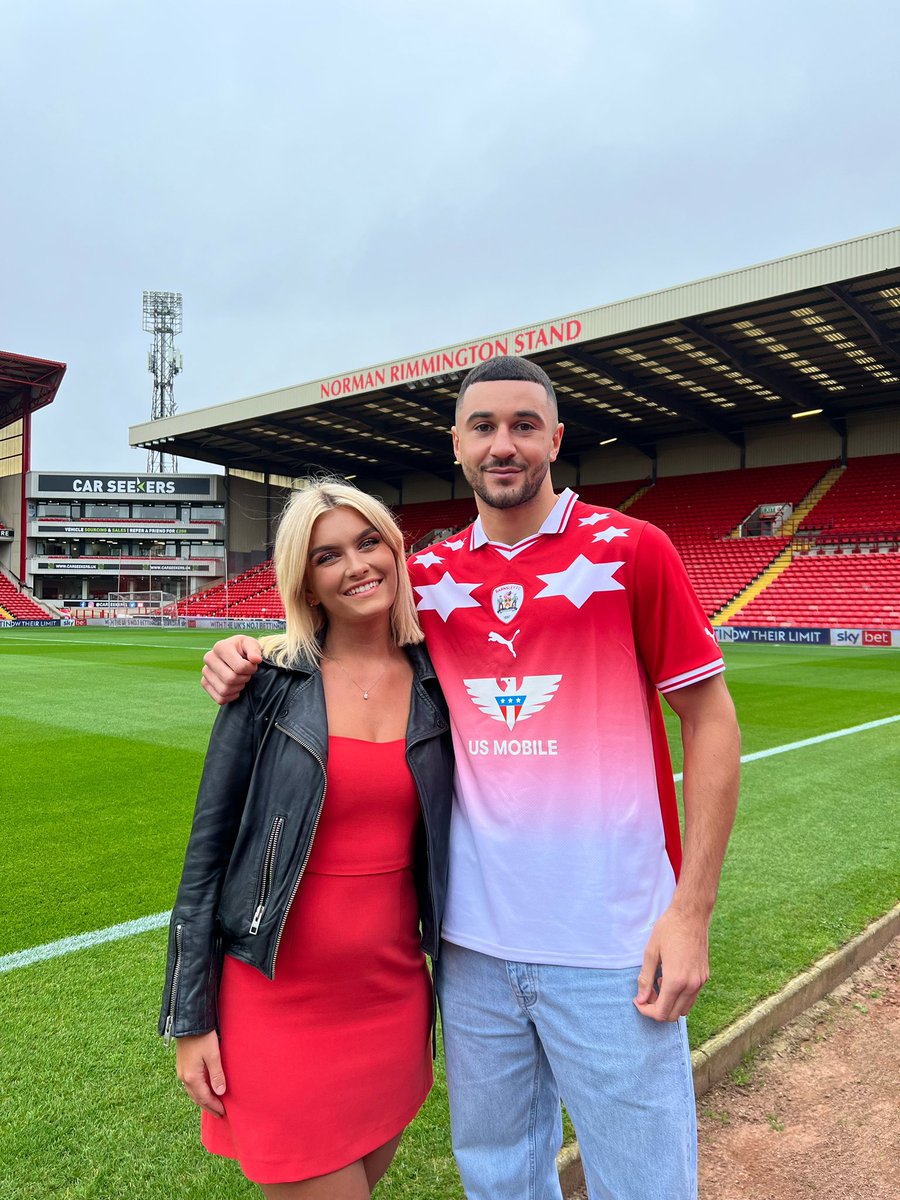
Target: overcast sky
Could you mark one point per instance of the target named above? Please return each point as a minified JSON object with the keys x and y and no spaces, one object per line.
{"x":333,"y":185}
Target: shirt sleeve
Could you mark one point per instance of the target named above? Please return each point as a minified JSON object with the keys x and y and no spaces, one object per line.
{"x":673,"y":636}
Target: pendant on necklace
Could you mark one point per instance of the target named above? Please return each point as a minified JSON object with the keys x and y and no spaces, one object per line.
{"x":365,"y":695}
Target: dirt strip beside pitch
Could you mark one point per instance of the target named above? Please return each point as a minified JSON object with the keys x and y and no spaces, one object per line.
{"x":728,"y":1050}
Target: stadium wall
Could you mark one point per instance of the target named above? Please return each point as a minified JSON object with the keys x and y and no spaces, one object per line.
{"x":697,"y":454}
{"x":874,"y":433}
{"x":809,"y":440}
{"x":614,"y":464}
{"x":10,"y":502}
{"x":251,"y":513}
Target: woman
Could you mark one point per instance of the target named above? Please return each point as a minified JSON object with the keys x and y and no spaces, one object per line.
{"x":295,"y":929}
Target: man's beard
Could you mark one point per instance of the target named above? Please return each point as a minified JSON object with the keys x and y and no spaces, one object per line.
{"x":509,"y":497}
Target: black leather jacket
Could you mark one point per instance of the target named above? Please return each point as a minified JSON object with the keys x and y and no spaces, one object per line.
{"x":258,"y":806}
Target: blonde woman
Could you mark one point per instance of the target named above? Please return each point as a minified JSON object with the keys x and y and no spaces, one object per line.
{"x":315,"y":874}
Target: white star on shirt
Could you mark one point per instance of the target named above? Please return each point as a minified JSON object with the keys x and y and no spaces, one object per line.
{"x":428,"y":560}
{"x":455,"y":545}
{"x":610,"y":532}
{"x":594,"y":518}
{"x":580,"y":580}
{"x":446,"y":595}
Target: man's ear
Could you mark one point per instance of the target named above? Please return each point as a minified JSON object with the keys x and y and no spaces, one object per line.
{"x":556,"y":441}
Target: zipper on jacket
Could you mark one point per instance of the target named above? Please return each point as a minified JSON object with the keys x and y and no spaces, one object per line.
{"x":176,"y":973}
{"x":268,"y":868}
{"x":287,"y":908}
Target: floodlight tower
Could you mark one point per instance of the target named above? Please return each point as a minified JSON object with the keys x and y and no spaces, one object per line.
{"x":162,"y":318}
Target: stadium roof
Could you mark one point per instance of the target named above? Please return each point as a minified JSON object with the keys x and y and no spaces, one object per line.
{"x":816,"y":331}
{"x":26,"y":383}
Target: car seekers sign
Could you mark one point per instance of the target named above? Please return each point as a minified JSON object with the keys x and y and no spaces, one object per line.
{"x":790,"y":635}
{"x":130,"y":566}
{"x":134,"y":529}
{"x":152,"y":486}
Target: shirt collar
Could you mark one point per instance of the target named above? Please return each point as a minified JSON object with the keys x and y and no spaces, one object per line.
{"x":555,"y":522}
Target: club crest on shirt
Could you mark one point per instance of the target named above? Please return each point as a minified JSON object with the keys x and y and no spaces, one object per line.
{"x":506,"y":601}
{"x":508,"y":701}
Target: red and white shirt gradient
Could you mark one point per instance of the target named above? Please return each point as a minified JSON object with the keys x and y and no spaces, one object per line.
{"x":564,"y":844}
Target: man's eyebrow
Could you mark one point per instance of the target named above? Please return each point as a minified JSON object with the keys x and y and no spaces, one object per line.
{"x":485,"y":414}
{"x":363,"y":533}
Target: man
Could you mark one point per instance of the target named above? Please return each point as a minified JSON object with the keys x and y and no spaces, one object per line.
{"x":575,"y":937}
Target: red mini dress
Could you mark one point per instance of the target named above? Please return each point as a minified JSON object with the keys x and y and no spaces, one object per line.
{"x":332,"y":1058}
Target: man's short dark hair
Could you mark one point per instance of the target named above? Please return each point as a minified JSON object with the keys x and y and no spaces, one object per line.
{"x":507,"y":366}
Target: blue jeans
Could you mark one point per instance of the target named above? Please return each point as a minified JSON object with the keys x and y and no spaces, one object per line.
{"x":519,"y":1035}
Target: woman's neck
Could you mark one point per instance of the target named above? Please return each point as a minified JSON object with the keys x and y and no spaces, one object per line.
{"x":360,"y":642}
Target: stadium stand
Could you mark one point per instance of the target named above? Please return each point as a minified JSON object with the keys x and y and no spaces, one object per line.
{"x":417,"y":520}
{"x":15,"y":606}
{"x":250,"y":594}
{"x":701,"y":513}
{"x":863,"y":505}
{"x":854,"y":590}
{"x":696,"y":508}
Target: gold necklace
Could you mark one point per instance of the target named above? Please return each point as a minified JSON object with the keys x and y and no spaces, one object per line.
{"x":365,"y":691}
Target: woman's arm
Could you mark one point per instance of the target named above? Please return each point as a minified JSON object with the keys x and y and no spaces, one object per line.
{"x":189,"y":999}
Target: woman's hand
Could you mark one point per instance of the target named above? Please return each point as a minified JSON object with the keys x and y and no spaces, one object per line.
{"x":199,"y":1068}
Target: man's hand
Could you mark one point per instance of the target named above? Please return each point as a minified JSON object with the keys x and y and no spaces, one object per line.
{"x":675,"y":966}
{"x":200,"y":1070}
{"x":228,"y":667}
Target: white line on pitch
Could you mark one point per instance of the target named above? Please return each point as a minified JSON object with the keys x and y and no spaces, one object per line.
{"x":83,"y":941}
{"x":811,"y":741}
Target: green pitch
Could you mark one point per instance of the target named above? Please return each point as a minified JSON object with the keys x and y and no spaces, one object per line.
{"x":103,"y":740}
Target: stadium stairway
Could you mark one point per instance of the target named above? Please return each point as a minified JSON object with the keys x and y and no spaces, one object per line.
{"x":771,"y":573}
{"x":632,"y":499}
{"x":811,"y":499}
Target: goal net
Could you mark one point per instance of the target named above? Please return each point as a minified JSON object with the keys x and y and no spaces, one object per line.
{"x":142,"y":608}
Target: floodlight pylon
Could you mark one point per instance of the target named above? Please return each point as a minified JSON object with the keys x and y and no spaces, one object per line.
{"x":162,"y":318}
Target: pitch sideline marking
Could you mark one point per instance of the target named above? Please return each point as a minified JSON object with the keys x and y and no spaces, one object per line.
{"x":113,"y":933}
{"x":82,"y":941}
{"x":811,"y":741}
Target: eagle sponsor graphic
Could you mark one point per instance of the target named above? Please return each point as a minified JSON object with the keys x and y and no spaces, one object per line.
{"x":507,"y":601}
{"x":504,"y":700}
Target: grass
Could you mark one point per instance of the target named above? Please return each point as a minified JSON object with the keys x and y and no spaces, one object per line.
{"x":104,"y":733}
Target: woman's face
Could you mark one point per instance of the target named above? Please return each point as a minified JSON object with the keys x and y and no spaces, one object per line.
{"x":351,"y":572}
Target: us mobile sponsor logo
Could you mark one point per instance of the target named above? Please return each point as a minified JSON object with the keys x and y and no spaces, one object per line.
{"x":502,"y":700}
{"x":513,"y":703}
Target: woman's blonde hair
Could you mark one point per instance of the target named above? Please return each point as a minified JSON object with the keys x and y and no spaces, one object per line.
{"x":306,"y":625}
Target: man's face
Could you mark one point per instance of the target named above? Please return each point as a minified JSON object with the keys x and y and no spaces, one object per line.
{"x":506,"y":436}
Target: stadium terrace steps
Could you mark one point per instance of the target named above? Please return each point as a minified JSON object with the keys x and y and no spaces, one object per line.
{"x":17,"y":605}
{"x":864,"y":501}
{"x":705,"y":507}
{"x":776,"y":568}
{"x":417,"y":520}
{"x":627,"y":503}
{"x":720,"y":571}
{"x":853,"y":590}
{"x":812,"y":498}
{"x":734,"y":577}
